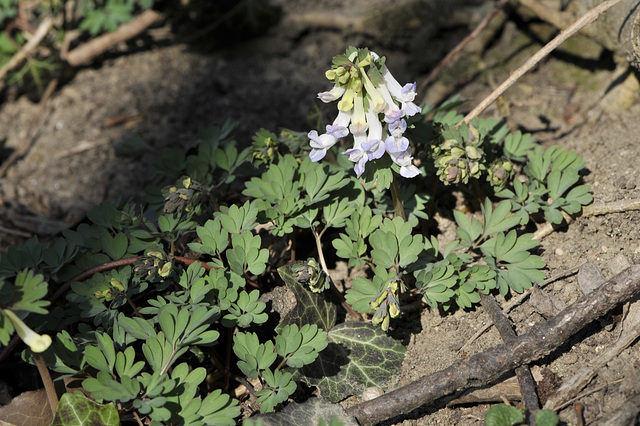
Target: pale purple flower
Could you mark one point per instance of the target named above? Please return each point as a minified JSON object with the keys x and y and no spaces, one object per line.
{"x":332,"y":95}
{"x":368,"y":150}
{"x":395,"y":145}
{"x":320,"y":144}
{"x":405,"y":161}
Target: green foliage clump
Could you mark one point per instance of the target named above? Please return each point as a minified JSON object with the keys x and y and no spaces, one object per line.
{"x":153,"y":308}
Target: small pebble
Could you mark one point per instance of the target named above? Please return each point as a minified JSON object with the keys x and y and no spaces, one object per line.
{"x":371,"y":393}
{"x":589,"y":278}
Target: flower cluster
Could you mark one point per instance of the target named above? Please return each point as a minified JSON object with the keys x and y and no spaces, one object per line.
{"x":459,"y":158}
{"x":372,"y":107}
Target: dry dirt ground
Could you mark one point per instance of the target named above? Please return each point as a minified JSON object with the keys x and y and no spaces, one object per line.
{"x":580,"y":98}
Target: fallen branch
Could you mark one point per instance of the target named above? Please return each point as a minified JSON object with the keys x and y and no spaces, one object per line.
{"x":487,"y":366}
{"x":504,"y":327}
{"x":43,"y":30}
{"x":585,"y":20}
{"x":592,"y":210}
{"x":456,"y":50}
{"x":85,"y":53}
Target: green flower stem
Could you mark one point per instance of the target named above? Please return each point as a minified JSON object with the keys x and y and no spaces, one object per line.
{"x":49,"y":387}
{"x":395,"y":195}
{"x":334,"y":290}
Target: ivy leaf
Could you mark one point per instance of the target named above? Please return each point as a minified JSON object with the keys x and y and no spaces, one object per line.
{"x":315,"y":411}
{"x":311,"y":308}
{"x":359,"y":355}
{"x":77,"y":409}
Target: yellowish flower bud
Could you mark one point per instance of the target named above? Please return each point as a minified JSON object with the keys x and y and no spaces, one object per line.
{"x":37,"y":342}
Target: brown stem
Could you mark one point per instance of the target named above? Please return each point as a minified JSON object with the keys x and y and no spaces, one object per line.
{"x":355,"y":315}
{"x":49,"y":387}
{"x":484,"y":367}
{"x":395,"y":196}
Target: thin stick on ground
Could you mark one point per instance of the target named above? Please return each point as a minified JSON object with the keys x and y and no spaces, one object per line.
{"x":585,"y":20}
{"x":85,"y":53}
{"x":525,"y":379}
{"x":456,"y":50}
{"x":516,"y":301}
{"x":592,"y":210}
{"x":22,"y":54}
{"x":487,"y":366}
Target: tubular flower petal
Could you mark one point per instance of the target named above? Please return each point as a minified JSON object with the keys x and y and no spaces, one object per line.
{"x":346,"y":103}
{"x":377,"y":102}
{"x":332,"y":95}
{"x":359,"y":122}
{"x":375,"y":126}
{"x":37,"y":342}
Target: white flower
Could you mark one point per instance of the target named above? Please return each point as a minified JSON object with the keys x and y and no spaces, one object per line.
{"x":397,"y":145}
{"x":37,"y":342}
{"x":405,"y":161}
{"x":358,"y":122}
{"x":320,"y":144}
{"x":332,"y":95}
{"x":365,"y":151}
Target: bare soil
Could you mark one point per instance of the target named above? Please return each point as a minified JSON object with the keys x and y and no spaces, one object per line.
{"x":581,"y":98}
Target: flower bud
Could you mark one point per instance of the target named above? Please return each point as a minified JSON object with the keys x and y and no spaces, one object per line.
{"x":116,"y":284}
{"x":472,"y":152}
{"x":37,"y":342}
{"x":457,"y":152}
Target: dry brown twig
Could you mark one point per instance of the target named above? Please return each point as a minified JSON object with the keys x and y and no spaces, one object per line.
{"x":482,"y":368}
{"x":456,"y":50}
{"x":592,"y":210}
{"x":43,"y":29}
{"x":588,"y":18}
{"x":97,"y":46}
